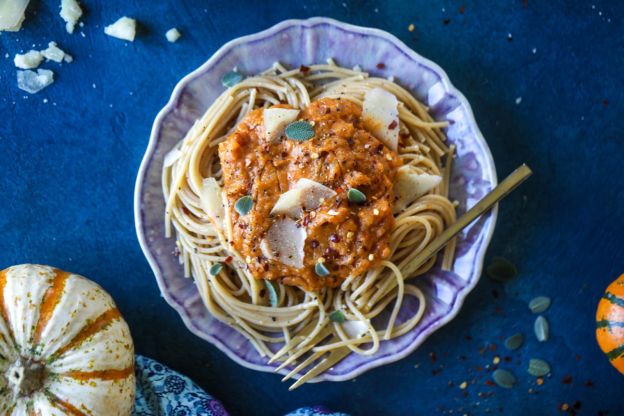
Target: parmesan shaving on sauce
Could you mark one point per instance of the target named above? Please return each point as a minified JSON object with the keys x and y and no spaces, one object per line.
{"x":306,"y":194}
{"x":381,"y":116}
{"x":411,"y":185}
{"x":276,"y":120}
{"x":124,"y":28}
{"x":285,"y":242}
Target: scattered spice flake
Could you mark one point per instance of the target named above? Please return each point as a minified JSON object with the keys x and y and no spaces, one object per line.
{"x":381,"y":65}
{"x":567,"y":379}
{"x":489,"y":383}
{"x":462,"y":9}
{"x":564,"y":407}
{"x":539,"y":381}
{"x":493,"y":347}
{"x":304,"y":69}
{"x":411,"y":27}
{"x":605,"y":103}
{"x":432,"y":356}
{"x":446,"y":21}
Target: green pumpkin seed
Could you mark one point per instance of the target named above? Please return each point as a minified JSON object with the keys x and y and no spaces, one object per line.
{"x":273,"y":299}
{"x":299,"y":131}
{"x":356,"y":196}
{"x":501,"y":269}
{"x":243,"y":205}
{"x":504,"y":378}
{"x":231,"y":78}
{"x":539,"y":304}
{"x":337,"y":316}
{"x":514,"y":342}
{"x":215,"y":269}
{"x":538,"y":368}
{"x":541,"y":329}
{"x":321,"y":270}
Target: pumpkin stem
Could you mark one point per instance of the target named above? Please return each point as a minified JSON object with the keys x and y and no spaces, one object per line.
{"x":25,"y":377}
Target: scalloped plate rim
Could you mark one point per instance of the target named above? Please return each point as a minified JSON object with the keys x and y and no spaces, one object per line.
{"x":460,"y":295}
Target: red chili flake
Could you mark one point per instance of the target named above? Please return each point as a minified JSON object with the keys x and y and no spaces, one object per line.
{"x":381,"y":65}
{"x":479,"y":368}
{"x":306,"y":220}
{"x":393,"y":125}
{"x":314,"y":243}
{"x":266,"y":267}
{"x":186,"y":211}
{"x":489,"y":383}
{"x":578,"y":357}
{"x":228,"y":259}
{"x":446,"y":21}
{"x":539,"y":381}
{"x":605,"y":103}
{"x":567,"y":379}
{"x":262,"y":292}
{"x":284,"y":154}
{"x":462,"y":9}
{"x":589,"y":383}
{"x":334,"y":238}
{"x":432,"y":356}
{"x":493,"y":347}
{"x":304,"y":69}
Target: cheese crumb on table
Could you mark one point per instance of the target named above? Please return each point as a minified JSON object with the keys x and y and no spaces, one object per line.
{"x":28,"y":60}
{"x":33,"y":82}
{"x":70,"y":12}
{"x":12,"y":14}
{"x":56,"y":54}
{"x":124,"y":28}
{"x":173,"y":34}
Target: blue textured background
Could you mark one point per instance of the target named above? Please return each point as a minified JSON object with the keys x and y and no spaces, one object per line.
{"x":68,"y":167}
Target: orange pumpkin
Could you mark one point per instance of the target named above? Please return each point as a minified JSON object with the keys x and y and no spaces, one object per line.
{"x":610,"y":323}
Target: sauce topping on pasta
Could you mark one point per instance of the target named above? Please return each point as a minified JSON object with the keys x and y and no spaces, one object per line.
{"x":346,"y":235}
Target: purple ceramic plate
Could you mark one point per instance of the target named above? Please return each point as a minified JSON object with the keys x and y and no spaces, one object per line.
{"x":296,"y":42}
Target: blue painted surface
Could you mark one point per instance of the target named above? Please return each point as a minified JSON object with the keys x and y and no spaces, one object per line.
{"x":68,"y":167}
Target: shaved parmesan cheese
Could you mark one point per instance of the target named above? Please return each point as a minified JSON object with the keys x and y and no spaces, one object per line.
{"x":70,"y":12}
{"x":124,"y":28}
{"x":276,"y":120}
{"x":173,"y":34}
{"x":411,"y":185}
{"x":284,"y":242}
{"x":28,"y":60}
{"x":33,"y":82}
{"x":12,"y":14}
{"x":172,"y":156}
{"x":211,"y":201}
{"x":354,"y":329}
{"x":54,"y":53}
{"x":381,"y":116}
{"x":306,"y":194}
{"x":289,"y":203}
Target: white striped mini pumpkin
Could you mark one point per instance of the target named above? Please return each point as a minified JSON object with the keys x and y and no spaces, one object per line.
{"x":64,"y":347}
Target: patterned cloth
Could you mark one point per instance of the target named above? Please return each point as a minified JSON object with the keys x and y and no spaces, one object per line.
{"x":163,"y":392}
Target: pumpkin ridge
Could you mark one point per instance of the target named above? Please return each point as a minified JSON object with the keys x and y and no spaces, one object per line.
{"x":614,"y":299}
{"x":3,"y":311}
{"x":107,"y":375}
{"x":88,"y":330}
{"x":63,"y":405}
{"x":51,"y":300}
{"x":615,"y":353}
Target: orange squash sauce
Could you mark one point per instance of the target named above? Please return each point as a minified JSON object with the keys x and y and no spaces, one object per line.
{"x":342,"y":154}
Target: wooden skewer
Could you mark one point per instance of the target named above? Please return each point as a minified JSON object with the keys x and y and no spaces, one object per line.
{"x":502,"y":190}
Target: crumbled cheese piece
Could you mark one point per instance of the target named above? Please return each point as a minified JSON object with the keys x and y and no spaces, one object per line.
{"x":173,"y":34}
{"x":29,"y":60}
{"x":70,"y":12}
{"x":54,"y":53}
{"x":371,"y":257}
{"x":33,"y":82}
{"x":124,"y":28}
{"x":375,"y":211}
{"x":12,"y":14}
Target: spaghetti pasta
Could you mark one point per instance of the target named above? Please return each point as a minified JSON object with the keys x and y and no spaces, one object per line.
{"x":299,"y":318}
